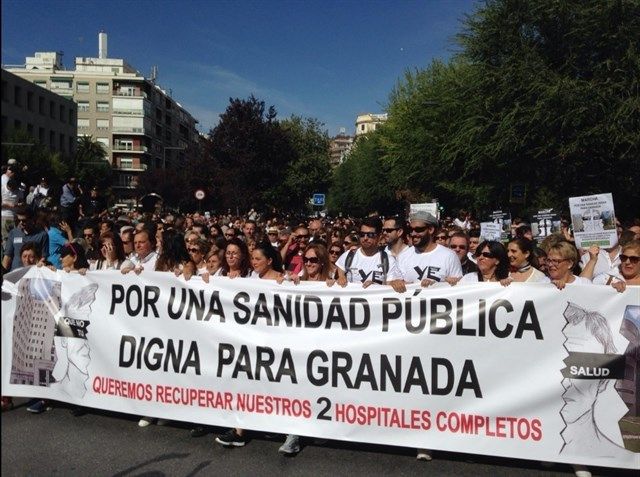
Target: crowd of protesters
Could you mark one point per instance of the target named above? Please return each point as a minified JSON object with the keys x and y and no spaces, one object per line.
{"x":78,"y":233}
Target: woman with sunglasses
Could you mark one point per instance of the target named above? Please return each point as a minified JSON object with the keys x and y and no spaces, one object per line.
{"x":198,"y":251}
{"x":561,"y":259}
{"x":523,"y":263}
{"x":351,"y":241}
{"x":317,"y":266}
{"x":629,"y":269}
{"x":442,"y":237}
{"x":493,"y":264}
{"x":335,"y":250}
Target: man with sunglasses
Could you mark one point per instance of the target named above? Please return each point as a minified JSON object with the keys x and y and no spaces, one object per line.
{"x":427,"y":262}
{"x":459,"y":243}
{"x":24,"y":231}
{"x":394,"y":233}
{"x":367,"y":264}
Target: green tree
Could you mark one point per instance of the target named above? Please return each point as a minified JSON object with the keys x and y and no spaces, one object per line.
{"x":361,"y":183}
{"x":307,"y":173}
{"x":250,"y":154}
{"x":542,"y":93}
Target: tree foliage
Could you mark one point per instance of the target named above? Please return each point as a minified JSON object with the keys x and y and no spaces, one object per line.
{"x":250,"y":153}
{"x":542,"y":93}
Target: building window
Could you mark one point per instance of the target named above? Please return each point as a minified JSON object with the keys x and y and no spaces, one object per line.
{"x":41,"y":135}
{"x":82,"y":87}
{"x":83,"y":106}
{"x":30,"y":100}
{"x":17,"y":96}
{"x":103,"y":124}
{"x":71,"y":117}
{"x":84,"y":123}
{"x":61,"y":142}
{"x":102,"y":106}
{"x":60,"y":84}
{"x":52,"y":139}
{"x":52,"y":109}
{"x":124,"y":145}
{"x":30,"y":129}
{"x":17,"y":124}
{"x":41,"y":83}
{"x":63,"y":113}
{"x":40,"y":104}
{"x":102,"y":88}
{"x":5,"y":92}
{"x":126,"y":163}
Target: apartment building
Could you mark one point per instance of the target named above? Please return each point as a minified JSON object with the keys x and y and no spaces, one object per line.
{"x":138,"y":122}
{"x":47,"y":117}
{"x":339,"y":147}
{"x":365,"y":123}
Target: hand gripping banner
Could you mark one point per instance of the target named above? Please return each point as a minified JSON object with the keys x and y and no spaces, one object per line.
{"x":524,"y":371}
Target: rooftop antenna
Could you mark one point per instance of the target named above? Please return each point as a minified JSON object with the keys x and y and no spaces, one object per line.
{"x":154,"y":73}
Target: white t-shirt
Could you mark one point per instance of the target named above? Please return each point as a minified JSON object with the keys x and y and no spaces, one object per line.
{"x":436,"y":265}
{"x":603,"y":278}
{"x":367,"y":268}
{"x":537,"y":277}
{"x":580,"y":281}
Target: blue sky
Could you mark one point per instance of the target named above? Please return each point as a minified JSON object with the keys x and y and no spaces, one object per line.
{"x":329,"y":60}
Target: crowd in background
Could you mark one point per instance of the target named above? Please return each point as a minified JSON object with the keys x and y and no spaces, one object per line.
{"x":75,"y":231}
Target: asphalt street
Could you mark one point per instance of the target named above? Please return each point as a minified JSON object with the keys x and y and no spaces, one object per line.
{"x":98,"y":443}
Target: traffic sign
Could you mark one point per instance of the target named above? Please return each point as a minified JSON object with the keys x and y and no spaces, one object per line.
{"x":318,"y":199}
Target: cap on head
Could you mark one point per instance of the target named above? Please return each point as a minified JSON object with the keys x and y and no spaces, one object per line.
{"x":424,"y":216}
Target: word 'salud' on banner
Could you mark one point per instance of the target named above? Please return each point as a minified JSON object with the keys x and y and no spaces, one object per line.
{"x":524,"y":371}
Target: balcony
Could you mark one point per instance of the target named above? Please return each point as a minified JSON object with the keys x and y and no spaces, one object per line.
{"x":129,"y":130}
{"x":129,"y":93}
{"x":129,"y":148}
{"x":129,"y":112}
{"x":130,"y":168}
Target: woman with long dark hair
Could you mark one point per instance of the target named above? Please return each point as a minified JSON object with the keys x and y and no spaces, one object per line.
{"x":493,"y":264}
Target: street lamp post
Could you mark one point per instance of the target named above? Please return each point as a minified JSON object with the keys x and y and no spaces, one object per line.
{"x":164,"y":153}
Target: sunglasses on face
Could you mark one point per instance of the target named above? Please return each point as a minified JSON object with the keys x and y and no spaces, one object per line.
{"x":335,"y":252}
{"x":368,"y":234}
{"x":310,"y":260}
{"x":388,"y":231}
{"x":273,"y":233}
{"x":441,"y":237}
{"x":303,"y":237}
{"x":487,"y":255}
{"x":193,"y":250}
{"x":418,"y":230}
{"x":632,"y":258}
{"x":462,"y":247}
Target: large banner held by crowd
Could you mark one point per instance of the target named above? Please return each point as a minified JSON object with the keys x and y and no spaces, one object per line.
{"x":525,"y":371}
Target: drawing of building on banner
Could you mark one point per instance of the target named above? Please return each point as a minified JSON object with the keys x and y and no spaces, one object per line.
{"x":34,"y":326}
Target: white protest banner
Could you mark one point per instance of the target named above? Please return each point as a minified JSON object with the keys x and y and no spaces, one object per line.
{"x":524,"y":371}
{"x":431,"y":207}
{"x":490,"y":231}
{"x":594,"y":220}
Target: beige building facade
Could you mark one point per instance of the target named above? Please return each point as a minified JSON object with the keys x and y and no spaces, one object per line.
{"x":366,"y":123}
{"x":140,"y":125}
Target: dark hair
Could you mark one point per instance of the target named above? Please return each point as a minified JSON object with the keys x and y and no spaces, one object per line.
{"x":174,"y":251}
{"x":475,"y":233}
{"x":526,"y":245}
{"x":75,"y":249}
{"x":270,"y":253}
{"x":30,"y":246}
{"x":244,"y":260}
{"x":118,"y":247}
{"x":500,"y":253}
{"x":373,"y":222}
{"x":151,"y":235}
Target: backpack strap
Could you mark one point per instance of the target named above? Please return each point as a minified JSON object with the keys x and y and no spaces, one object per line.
{"x":349,"y":260}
